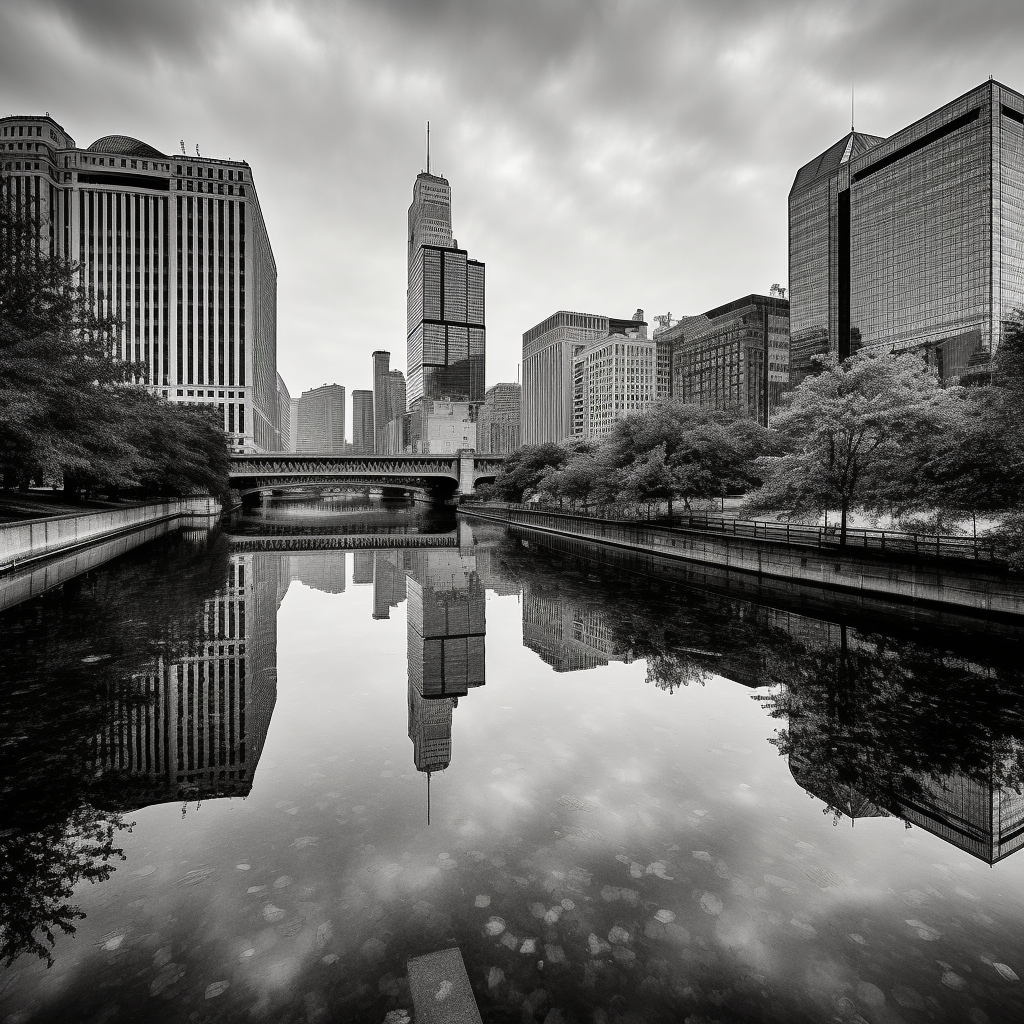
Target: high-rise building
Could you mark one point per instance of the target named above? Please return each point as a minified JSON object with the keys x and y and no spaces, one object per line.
{"x":286,"y":441}
{"x":293,"y":422}
{"x":915,"y":242}
{"x":499,"y":428}
{"x":445,"y":342}
{"x":613,"y":377}
{"x":322,"y":420}
{"x":396,"y":394}
{"x":362,"y":423}
{"x":176,"y":248}
{"x":735,"y":356}
{"x":548,"y":350}
{"x":384,"y":395}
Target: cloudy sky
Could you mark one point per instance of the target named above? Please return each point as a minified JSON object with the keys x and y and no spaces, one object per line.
{"x":604,"y":155}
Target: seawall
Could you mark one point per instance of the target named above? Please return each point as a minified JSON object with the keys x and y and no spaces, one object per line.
{"x":983,"y":588}
{"x":32,"y":540}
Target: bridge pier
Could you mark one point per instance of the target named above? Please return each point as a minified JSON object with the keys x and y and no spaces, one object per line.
{"x":467,"y":479}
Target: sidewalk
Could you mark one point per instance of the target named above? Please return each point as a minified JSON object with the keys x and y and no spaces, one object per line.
{"x":40,"y":504}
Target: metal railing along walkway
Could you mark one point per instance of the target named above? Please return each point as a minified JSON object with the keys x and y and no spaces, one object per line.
{"x":821,"y":538}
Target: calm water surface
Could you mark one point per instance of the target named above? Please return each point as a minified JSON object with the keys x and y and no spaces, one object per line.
{"x":255,"y":770}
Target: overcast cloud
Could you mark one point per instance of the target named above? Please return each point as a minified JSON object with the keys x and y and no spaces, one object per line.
{"x":602,"y":155}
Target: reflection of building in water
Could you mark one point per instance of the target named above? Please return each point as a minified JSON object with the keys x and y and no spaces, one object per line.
{"x":362,"y":567}
{"x":567,"y":638}
{"x":320,"y":570}
{"x":976,"y":815}
{"x":195,"y":728}
{"x":486,"y":566}
{"x":388,"y":582}
{"x":445,"y":629}
{"x":445,"y":623}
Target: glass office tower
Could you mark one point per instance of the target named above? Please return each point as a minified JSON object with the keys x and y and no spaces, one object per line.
{"x":445,"y":339}
{"x":915,"y":242}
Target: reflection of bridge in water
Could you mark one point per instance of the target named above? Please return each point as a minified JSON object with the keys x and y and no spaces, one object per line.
{"x":344,"y":542}
{"x":437,"y":476}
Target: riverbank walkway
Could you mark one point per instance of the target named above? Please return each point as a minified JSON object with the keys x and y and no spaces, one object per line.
{"x":27,"y":541}
{"x":963,"y":572}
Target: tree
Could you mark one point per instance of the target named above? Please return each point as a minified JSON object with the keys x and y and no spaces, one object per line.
{"x":855,"y":434}
{"x":70,"y":409}
{"x":679,"y":451}
{"x":523,"y":470}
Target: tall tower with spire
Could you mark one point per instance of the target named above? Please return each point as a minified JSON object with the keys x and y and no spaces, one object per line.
{"x":445,"y":333}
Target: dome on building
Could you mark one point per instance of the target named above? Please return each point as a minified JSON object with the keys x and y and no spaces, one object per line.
{"x":122,"y":145}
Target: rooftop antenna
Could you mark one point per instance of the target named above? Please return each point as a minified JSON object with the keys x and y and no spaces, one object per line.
{"x":852,"y":120}
{"x":428,"y":171}
{"x":428,"y":799}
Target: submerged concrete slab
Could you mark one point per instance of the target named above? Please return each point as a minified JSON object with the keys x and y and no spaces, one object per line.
{"x":441,"y":993}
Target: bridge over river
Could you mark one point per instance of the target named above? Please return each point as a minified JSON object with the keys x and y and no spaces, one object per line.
{"x":438,"y":477}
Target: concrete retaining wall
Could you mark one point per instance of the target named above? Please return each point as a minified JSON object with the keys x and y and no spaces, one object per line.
{"x":34,"y":539}
{"x":963,"y":585}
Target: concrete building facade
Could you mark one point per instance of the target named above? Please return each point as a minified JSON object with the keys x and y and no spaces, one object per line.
{"x":735,"y":356}
{"x":173,"y":246}
{"x":499,"y":422}
{"x":613,"y":377}
{"x":322,"y":420}
{"x":441,"y":426}
{"x":548,"y":350}
{"x":362,"y":423}
{"x":286,"y":440}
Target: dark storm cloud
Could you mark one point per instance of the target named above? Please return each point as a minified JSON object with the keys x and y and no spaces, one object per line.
{"x":602,"y":155}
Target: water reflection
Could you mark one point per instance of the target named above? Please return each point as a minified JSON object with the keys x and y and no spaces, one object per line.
{"x":929,"y":729}
{"x":192,"y":727}
{"x":650,"y":879}
{"x":81,"y":665}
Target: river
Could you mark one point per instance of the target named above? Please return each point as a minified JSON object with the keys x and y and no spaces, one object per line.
{"x":249,"y":772}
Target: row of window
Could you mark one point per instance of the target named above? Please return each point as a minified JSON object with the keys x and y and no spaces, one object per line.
{"x":20,"y":129}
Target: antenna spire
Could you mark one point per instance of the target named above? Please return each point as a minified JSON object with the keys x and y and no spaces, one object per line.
{"x":852,"y":119}
{"x":428,"y":799}
{"x":428,"y":171}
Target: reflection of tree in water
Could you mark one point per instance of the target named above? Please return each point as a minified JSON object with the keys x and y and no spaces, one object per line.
{"x":879,"y":724}
{"x":64,"y":654}
{"x":876,"y":724}
{"x":684,"y":636}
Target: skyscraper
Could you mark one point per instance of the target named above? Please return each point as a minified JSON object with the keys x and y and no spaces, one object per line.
{"x":548,"y":350}
{"x":362,"y":422}
{"x":382,"y":413}
{"x":445,"y":342}
{"x":915,"y":242}
{"x":176,"y":247}
{"x":322,"y":420}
